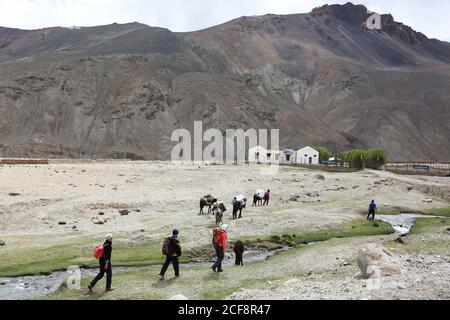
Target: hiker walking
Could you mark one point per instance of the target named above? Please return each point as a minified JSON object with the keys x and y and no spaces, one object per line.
{"x":372,"y":211}
{"x":103,"y":253}
{"x":239,"y":251}
{"x":172,"y":250}
{"x":266,"y":198}
{"x":220,"y":245}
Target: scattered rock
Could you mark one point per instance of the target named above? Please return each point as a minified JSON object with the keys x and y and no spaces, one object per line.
{"x":62,"y":223}
{"x":96,"y":220}
{"x":14,"y":194}
{"x":4,"y":282}
{"x":178,"y":297}
{"x":410,"y":188}
{"x":2,"y":243}
{"x":376,"y":260}
{"x":312,"y":194}
{"x":137,"y":210}
{"x":400,"y":240}
{"x":346,"y":264}
{"x":74,"y":227}
{"x":101,"y":213}
{"x":428,"y":201}
{"x":124,"y":212}
{"x":320,"y":177}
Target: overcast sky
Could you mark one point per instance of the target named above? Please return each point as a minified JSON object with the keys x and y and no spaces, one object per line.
{"x":428,"y":16}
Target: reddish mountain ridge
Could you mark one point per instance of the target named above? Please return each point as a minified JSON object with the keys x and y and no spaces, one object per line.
{"x":322,"y":78}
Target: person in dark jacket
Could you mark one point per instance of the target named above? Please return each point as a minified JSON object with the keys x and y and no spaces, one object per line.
{"x":172,"y":257}
{"x":239,"y":251}
{"x":266,"y":198}
{"x":372,"y":211}
{"x":105,"y":266}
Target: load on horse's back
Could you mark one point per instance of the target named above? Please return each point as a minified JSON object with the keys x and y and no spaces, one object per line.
{"x":239,"y":203}
{"x":258,"y":198}
{"x":207,"y":200}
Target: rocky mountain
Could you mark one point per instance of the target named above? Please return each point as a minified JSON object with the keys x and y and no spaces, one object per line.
{"x":322,"y":78}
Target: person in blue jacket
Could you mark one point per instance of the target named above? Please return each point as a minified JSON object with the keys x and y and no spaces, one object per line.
{"x":372,"y":211}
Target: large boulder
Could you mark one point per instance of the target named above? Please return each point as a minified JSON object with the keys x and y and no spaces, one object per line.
{"x":375,"y":260}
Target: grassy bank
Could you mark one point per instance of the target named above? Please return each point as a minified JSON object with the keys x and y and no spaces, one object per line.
{"x":199,"y":282}
{"x":357,"y":228}
{"x":425,"y":225}
{"x":36,"y":261}
{"x":423,"y":239}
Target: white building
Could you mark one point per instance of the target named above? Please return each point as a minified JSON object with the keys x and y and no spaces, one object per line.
{"x":260,"y":154}
{"x":287,"y":156}
{"x":308,"y":156}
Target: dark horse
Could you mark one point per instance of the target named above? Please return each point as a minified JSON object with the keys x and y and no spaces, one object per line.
{"x":257,"y":200}
{"x":209,"y":201}
{"x":237,"y":207}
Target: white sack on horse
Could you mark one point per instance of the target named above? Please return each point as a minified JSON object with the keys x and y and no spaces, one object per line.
{"x":241,"y":198}
{"x":260,"y":193}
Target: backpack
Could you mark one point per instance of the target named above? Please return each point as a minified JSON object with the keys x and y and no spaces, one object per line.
{"x":99,"y":251}
{"x":166,"y":246}
{"x":217,"y":237}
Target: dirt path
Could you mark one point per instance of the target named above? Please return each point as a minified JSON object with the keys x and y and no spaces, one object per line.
{"x":427,"y":275}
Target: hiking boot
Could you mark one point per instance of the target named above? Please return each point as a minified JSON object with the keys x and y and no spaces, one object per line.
{"x":90,"y":288}
{"x":109,"y":289}
{"x":220,"y":270}
{"x":161,"y":277}
{"x":213,"y":269}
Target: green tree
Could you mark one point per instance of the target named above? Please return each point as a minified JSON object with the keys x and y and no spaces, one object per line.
{"x":376,"y":158}
{"x":357,"y":158}
{"x":324,"y":154}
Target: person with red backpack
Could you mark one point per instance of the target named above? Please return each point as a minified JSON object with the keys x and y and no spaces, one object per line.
{"x":103,"y":253}
{"x":172,"y":250}
{"x":220,"y":245}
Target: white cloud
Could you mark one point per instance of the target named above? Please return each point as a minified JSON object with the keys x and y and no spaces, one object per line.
{"x":429,"y":17}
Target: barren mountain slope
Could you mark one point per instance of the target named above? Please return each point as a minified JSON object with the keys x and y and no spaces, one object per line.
{"x":322,"y":78}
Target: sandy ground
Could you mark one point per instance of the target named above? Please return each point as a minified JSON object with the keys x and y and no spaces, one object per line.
{"x":426,"y":274}
{"x":168,"y":196}
{"x":162,"y":196}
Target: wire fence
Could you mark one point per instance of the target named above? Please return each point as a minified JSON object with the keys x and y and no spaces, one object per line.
{"x":421,"y":168}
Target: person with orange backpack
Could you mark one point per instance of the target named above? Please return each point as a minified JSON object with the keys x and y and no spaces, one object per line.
{"x":172,"y":250}
{"x":103,"y":254}
{"x":220,"y":245}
